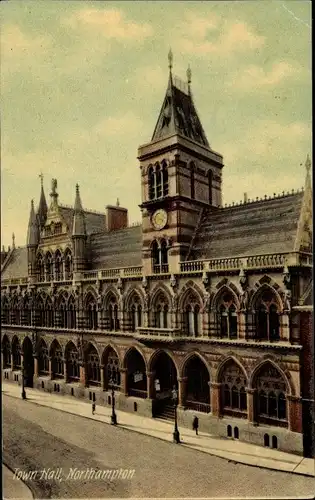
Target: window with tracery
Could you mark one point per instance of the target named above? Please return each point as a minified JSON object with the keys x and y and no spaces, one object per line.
{"x":93,"y":367}
{"x":26,"y":312}
{"x":43,"y":359}
{"x":112,"y":369}
{"x":233,"y":389}
{"x":271,"y":395}
{"x":160,"y":256}
{"x":58,"y":266}
{"x":267,"y":318}
{"x":49,"y":313}
{"x":40,"y":268}
{"x":72,"y":315}
{"x":68,"y":265}
{"x":161,"y":312}
{"x":57,"y":363}
{"x":73,"y":366}
{"x":15,"y":312}
{"x":63,"y":313}
{"x":49,"y":267}
{"x":135,"y":313}
{"x":158,"y":180}
{"x":227,"y":317}
{"x":113,"y":315}
{"x":91,"y":311}
{"x":192,"y":318}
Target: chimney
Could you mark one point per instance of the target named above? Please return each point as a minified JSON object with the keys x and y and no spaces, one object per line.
{"x":116,"y":217}
{"x":245,"y":198}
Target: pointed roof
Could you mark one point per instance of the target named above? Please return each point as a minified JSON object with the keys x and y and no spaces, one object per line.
{"x":33,"y":230}
{"x":178,"y":114}
{"x":42,"y":207}
{"x":79,"y":226}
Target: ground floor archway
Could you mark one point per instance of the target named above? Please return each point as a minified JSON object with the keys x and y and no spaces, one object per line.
{"x":197,"y":395}
{"x":136,"y":374}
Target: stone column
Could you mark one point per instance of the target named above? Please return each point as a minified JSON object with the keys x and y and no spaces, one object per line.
{"x":83,"y":377}
{"x":211,"y":324}
{"x":50,"y":372}
{"x":150,"y":385}
{"x":284,"y":327}
{"x":123,"y":381}
{"x":215,"y":388}
{"x":12,"y":364}
{"x":65,"y":372}
{"x":294,"y":411}
{"x":251,"y":396}
{"x":102,"y":377}
{"x":182,"y":388}
{"x":35,"y":366}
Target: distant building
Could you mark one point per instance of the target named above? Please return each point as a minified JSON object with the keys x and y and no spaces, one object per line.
{"x":214,"y":300}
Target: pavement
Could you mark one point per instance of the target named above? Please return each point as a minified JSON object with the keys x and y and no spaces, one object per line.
{"x":232,"y":450}
{"x":13,"y":487}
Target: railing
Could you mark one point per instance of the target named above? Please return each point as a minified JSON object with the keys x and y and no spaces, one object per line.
{"x":110,"y":273}
{"x":273,"y":260}
{"x":160,"y":269}
{"x":90,"y":275}
{"x":196,"y":406}
{"x":224,"y":264}
{"x":132,"y":271}
{"x":191,"y":265}
{"x":158,"y":332}
{"x":136,"y":393}
{"x":15,"y":281}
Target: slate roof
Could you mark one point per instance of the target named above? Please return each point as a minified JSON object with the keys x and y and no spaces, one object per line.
{"x":17,"y":264}
{"x":267,"y":226}
{"x":178,"y":115}
{"x":121,"y":248}
{"x":94,"y":222}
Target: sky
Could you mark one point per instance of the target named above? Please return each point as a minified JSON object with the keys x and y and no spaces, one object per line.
{"x":82,"y":84}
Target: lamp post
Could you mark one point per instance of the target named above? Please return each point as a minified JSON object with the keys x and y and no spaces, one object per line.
{"x":176,"y":436}
{"x":113,"y":419}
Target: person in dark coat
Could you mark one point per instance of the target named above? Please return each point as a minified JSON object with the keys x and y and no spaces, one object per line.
{"x":93,"y":408}
{"x":196,"y":425}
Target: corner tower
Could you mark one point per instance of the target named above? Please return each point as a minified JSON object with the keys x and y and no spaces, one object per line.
{"x":180,"y":175}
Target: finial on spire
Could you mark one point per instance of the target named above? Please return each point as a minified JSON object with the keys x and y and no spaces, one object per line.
{"x":13,"y":240}
{"x":77,"y":188}
{"x":117,"y":202}
{"x":170,"y":59}
{"x":188,"y":73}
{"x":32,"y":204}
{"x":41,"y":179}
{"x":308,"y":164}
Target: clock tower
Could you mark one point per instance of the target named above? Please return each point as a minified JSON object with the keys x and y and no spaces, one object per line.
{"x":181,"y":177}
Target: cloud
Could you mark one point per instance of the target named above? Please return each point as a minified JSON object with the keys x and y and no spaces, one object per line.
{"x":16,"y":43}
{"x":256,"y":77}
{"x":204,"y":36}
{"x":109,"y":23}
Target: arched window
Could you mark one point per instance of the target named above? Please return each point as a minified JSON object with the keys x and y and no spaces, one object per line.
{"x":40,"y":268}
{"x":160,"y":256}
{"x":5,"y":316}
{"x":40,"y":312}
{"x":135,"y":313}
{"x":68,"y":265}
{"x":91,"y":312}
{"x":57,"y":363}
{"x":210,"y":180}
{"x":58,"y":266}
{"x":192,"y":316}
{"x":49,"y":313}
{"x":49,"y":267}
{"x":233,"y":393}
{"x":58,"y":228}
{"x":267,"y":317}
{"x":16,"y":354}
{"x":72,"y":315}
{"x":227,"y":317}
{"x":63,"y":313}
{"x":165,"y":178}
{"x":111,"y":369}
{"x":15,"y":312}
{"x":93,"y":366}
{"x":6,"y":352}
{"x":158,"y":177}
{"x":161,"y":312}
{"x":43,"y":358}
{"x":271,"y":396}
{"x":151,"y":179}
{"x":72,"y":360}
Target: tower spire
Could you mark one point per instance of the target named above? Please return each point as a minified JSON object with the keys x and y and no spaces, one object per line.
{"x":78,"y":228}
{"x":170,"y":60}
{"x":13,"y":240}
{"x":188,"y":73}
{"x":42,"y":207}
{"x":308,"y":172}
{"x":32,"y":232}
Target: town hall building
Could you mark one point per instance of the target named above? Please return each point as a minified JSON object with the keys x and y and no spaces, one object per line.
{"x":214,"y":301}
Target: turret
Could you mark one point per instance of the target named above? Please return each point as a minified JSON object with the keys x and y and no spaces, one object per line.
{"x":42,"y":207}
{"x":32,"y":242}
{"x":79,"y":234}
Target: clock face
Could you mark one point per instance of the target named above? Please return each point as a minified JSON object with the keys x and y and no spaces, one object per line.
{"x":159,"y":219}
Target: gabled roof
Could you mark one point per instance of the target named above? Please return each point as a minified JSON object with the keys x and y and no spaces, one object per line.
{"x":178,"y":115}
{"x":261,"y":227}
{"x":120,"y":248}
{"x":16,"y":266}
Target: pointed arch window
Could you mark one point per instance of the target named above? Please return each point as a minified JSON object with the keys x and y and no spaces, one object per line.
{"x":158,"y":181}
{"x":164,"y":179}
{"x":158,"y":177}
{"x":68,"y":265}
{"x":227,"y":323}
{"x":57,"y":362}
{"x":93,"y":367}
{"x":73,"y":366}
{"x":271,"y":396}
{"x":161,"y":312}
{"x":58,"y":266}
{"x":15,"y":312}
{"x":43,"y":359}
{"x":91,"y":313}
{"x":135,"y":313}
{"x":112,"y":372}
{"x":63,"y":313}
{"x":192,"y":317}
{"x":233,"y":392}
{"x":26,"y":312}
{"x":40,"y":312}
{"x":49,"y":313}
{"x":160,"y":256}
{"x":151,"y":180}
{"x":49,"y":267}
{"x":113,"y":315}
{"x":267,"y":318}
{"x":40,"y":268}
{"x":72,"y":315}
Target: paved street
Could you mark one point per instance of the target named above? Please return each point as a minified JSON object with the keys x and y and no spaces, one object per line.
{"x":37,"y":437}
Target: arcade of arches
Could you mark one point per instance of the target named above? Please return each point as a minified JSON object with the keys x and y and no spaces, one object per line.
{"x":263,"y":396}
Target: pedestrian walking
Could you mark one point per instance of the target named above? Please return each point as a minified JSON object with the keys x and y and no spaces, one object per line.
{"x":93,"y":408}
{"x":196,"y":425}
